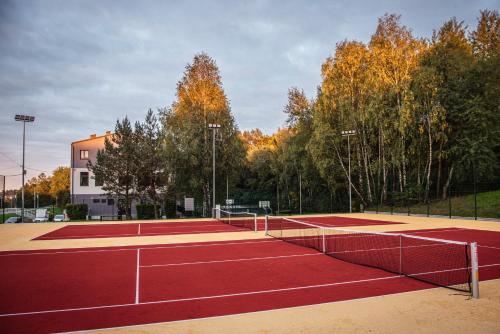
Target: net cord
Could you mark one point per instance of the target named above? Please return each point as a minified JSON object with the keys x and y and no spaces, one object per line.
{"x":336,"y":229}
{"x":230,"y":213}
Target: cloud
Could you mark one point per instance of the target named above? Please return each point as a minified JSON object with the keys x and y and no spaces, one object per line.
{"x":79,"y":65}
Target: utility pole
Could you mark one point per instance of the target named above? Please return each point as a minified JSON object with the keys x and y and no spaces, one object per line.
{"x":347,"y":134}
{"x":214,"y":128}
{"x":25,"y":119}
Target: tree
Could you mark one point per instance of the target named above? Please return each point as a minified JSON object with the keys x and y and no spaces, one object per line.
{"x":59,"y":185}
{"x":38,"y":186}
{"x":152,"y":169}
{"x":117,"y":165}
{"x":200,"y":101}
{"x":486,"y":37}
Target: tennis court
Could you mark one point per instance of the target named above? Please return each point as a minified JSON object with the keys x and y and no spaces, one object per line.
{"x":79,"y":289}
{"x":82,"y":231}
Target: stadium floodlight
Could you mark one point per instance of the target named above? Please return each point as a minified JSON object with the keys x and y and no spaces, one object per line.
{"x":25,"y":119}
{"x":348,"y":133}
{"x":214,"y":127}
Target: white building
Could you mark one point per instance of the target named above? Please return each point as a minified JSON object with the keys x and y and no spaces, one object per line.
{"x":84,"y":187}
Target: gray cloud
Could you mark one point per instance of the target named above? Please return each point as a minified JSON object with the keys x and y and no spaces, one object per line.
{"x":79,"y":65}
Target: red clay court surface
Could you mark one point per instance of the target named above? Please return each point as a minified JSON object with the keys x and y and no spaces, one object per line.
{"x":80,"y":289}
{"x":186,"y":227}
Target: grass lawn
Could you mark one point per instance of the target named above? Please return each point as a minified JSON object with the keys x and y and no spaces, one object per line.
{"x":7,"y":216}
{"x":488,"y":206}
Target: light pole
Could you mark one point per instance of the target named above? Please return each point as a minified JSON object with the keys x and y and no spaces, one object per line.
{"x":213,"y":127}
{"x":25,"y":119}
{"x":347,"y":134}
{"x":2,"y":189}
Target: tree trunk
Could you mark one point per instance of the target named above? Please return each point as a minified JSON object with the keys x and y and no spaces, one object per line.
{"x":400,"y":179}
{"x":360,"y":175}
{"x":438,"y":184}
{"x":447,"y":184}
{"x":427,"y":185}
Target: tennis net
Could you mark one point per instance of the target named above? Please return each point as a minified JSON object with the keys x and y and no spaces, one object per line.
{"x":445,"y":263}
{"x":241,"y":219}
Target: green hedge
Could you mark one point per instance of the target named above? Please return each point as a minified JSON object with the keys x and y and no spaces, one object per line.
{"x":77,"y":211}
{"x":146,"y":211}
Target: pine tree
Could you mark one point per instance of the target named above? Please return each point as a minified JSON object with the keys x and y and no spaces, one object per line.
{"x":116,"y":165}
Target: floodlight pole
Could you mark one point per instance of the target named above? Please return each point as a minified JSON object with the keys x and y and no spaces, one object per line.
{"x":24,"y":119}
{"x":22,"y":173}
{"x":213,"y":127}
{"x":347,"y":134}
{"x":3,"y":198}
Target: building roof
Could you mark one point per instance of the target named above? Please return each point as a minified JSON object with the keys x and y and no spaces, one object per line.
{"x":93,"y":137}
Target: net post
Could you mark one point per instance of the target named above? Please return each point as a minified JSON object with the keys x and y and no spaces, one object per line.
{"x":324,"y":244}
{"x":474,"y":270}
{"x":255,"y":222}
{"x":265,"y":225}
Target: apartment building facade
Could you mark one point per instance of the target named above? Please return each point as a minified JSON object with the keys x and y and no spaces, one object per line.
{"x":84,"y":187}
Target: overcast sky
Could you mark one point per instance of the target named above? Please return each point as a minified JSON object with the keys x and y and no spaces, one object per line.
{"x":79,"y":65}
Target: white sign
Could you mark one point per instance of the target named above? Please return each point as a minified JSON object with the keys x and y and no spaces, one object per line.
{"x":229,"y":201}
{"x":264,"y":204}
{"x":188,"y":204}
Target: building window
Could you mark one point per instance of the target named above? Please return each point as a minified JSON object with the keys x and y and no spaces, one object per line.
{"x":111,"y":201}
{"x":84,"y":179}
{"x":95,"y":200}
{"x":98,"y":181}
{"x":103,"y":200}
{"x":84,"y":155}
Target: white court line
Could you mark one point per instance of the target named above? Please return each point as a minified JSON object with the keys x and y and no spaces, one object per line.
{"x":173,"y":227}
{"x":243,"y":313}
{"x":165,"y":301}
{"x":458,"y":229}
{"x":231,"y":260}
{"x":492,"y":247}
{"x":86,"y":236}
{"x":214,"y":296}
{"x":137,"y":276}
{"x":145,"y":248}
{"x":93,"y":236}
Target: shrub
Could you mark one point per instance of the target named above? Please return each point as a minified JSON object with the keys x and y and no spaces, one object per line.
{"x":146,"y":211}
{"x":170,"y":208}
{"x":77,"y":211}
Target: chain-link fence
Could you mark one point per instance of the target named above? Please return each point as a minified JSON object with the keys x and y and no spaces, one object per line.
{"x":474,"y":200}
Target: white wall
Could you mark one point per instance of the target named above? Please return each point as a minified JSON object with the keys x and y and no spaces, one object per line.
{"x":92,"y":189}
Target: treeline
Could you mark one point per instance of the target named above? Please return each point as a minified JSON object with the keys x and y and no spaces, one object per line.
{"x":43,"y":190}
{"x":425,"y":115}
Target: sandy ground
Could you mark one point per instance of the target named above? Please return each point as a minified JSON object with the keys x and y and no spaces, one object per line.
{"x":431,"y":311}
